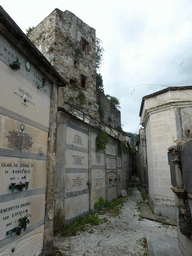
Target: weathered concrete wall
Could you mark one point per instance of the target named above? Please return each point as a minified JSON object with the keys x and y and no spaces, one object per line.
{"x":83,"y":174}
{"x":69,"y":44}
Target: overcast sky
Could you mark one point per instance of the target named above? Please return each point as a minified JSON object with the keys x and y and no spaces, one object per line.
{"x":147,"y":43}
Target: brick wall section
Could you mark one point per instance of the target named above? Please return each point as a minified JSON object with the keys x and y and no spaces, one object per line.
{"x":62,"y":38}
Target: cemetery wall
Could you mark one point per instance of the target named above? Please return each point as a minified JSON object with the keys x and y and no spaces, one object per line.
{"x":83,"y":173}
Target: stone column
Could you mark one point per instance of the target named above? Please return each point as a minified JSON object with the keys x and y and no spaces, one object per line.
{"x":51,"y":166}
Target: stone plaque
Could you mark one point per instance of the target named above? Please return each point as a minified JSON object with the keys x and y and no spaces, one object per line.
{"x":112,"y":193}
{"x":76,"y":159}
{"x":75,"y":181}
{"x":18,"y":96}
{"x":98,"y":179}
{"x":76,"y":138}
{"x":17,"y":175}
{"x":111,"y":149}
{"x":76,"y":206}
{"x":22,"y":137}
{"x":95,"y":196}
{"x":11,"y":211}
{"x":97,"y":159}
{"x":111,"y":162}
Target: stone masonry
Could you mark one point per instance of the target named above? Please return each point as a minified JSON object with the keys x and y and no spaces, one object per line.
{"x":69,"y":45}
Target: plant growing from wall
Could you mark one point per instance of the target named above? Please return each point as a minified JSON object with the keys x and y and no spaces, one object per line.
{"x":123,"y":148}
{"x":81,"y":98}
{"x":29,"y":30}
{"x":114,"y":101}
{"x":101,"y":141}
{"x":119,"y":129}
{"x":99,"y":83}
{"x":98,"y":53}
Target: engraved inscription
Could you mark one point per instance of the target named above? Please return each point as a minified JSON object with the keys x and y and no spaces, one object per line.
{"x":15,"y":176}
{"x":10,"y":213}
{"x":77,"y":182}
{"x":19,"y":140}
{"x":77,"y":160}
{"x":24,"y":96}
{"x":77,"y":139}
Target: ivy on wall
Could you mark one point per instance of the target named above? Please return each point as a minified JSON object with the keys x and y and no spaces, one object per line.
{"x":101,"y":141}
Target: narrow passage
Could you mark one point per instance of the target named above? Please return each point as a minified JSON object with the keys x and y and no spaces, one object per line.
{"x":123,"y":235}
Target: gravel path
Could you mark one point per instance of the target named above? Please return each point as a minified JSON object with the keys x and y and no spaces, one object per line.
{"x":119,"y":236}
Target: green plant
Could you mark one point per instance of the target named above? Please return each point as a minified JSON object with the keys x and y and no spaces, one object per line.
{"x":23,"y":221}
{"x":101,"y":141}
{"x":79,"y":225}
{"x":51,"y":49}
{"x":123,"y":148}
{"x":99,"y":83}
{"x":119,"y":129}
{"x":98,"y":53}
{"x":71,"y":99}
{"x":29,"y":30}
{"x":114,"y":101}
{"x":81,"y":98}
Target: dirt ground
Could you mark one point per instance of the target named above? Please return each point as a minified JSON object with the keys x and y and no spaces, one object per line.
{"x":123,"y":235}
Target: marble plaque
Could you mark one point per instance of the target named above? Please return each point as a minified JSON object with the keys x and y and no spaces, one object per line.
{"x":29,"y":173}
{"x":95,"y":196}
{"x":75,"y":181}
{"x":21,"y":96}
{"x":111,"y":162}
{"x":76,"y":159}
{"x":76,"y":206}
{"x":97,"y":159}
{"x":112,"y":193}
{"x":11,"y":211}
{"x":98,"y":179}
{"x":76,"y":138}
{"x":111,"y":149}
{"x":32,"y":243}
{"x":20,"y":136}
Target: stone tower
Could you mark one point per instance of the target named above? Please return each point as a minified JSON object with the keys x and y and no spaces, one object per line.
{"x":69,"y":45}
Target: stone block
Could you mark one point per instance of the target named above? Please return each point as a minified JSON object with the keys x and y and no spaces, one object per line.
{"x":97,"y":159}
{"x":30,"y":244}
{"x":12,"y":211}
{"x":20,"y":136}
{"x":36,"y":100}
{"x":111,"y":162}
{"x":76,"y":159}
{"x":95,"y":196}
{"x":76,"y":206}
{"x":75,"y":181}
{"x":75,"y":138}
{"x":16,"y":170}
{"x":112,"y":193}
{"x":98,"y":179}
